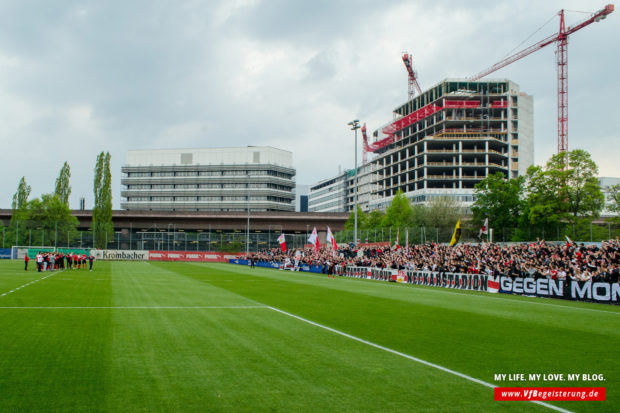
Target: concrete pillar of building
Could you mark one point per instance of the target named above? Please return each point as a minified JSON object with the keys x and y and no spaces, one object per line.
{"x":486,"y":152}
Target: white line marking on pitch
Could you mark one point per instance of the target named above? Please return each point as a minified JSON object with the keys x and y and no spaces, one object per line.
{"x":407,"y":356}
{"x":27,"y":284}
{"x":142,"y":307}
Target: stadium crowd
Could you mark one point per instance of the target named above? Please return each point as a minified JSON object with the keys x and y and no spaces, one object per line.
{"x":537,"y":259}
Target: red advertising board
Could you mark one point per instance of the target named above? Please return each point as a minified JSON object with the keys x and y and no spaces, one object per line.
{"x":197,"y":256}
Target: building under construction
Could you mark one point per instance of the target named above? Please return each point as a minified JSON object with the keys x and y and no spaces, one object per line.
{"x":450,"y":137}
{"x":444,"y":141}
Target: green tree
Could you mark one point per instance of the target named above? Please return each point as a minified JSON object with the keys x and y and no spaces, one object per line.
{"x":20,"y":198}
{"x":419,"y":216}
{"x":544,"y":196}
{"x":63,"y":189}
{"x":443,"y":211}
{"x":399,"y":213}
{"x":584,"y":195}
{"x":18,"y":213}
{"x":614,"y":197}
{"x":103,"y":228}
{"x":565,"y":189}
{"x":373,"y":220}
{"x":349,"y":225}
{"x":43,"y":221}
{"x":500,"y":200}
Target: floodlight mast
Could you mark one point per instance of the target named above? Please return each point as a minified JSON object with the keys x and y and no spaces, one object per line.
{"x":355,"y":125}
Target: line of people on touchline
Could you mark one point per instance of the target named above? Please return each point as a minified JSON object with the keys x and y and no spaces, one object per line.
{"x":50,"y":261}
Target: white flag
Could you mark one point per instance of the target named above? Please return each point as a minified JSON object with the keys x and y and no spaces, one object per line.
{"x":314,"y":239}
{"x":485,"y":228}
{"x":330,"y":239}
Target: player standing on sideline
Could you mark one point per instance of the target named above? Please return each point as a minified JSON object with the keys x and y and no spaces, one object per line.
{"x":52,"y":259}
{"x":69,"y":261}
{"x":26,"y":259}
{"x":91,"y":258}
{"x":39,"y":259}
{"x":84,"y":258}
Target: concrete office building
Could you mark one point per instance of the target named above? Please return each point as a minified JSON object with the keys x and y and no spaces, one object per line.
{"x":212,"y":180}
{"x":329,"y":195}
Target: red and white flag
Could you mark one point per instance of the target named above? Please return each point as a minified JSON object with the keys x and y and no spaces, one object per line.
{"x":396,"y":246}
{"x":330,"y":239}
{"x":485,"y":228}
{"x":314,"y":240}
{"x":282,"y":242}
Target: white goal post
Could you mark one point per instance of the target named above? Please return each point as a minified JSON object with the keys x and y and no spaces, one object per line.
{"x":18,"y":252}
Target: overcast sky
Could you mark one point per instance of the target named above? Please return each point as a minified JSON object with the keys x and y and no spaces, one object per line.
{"x":81,"y":77}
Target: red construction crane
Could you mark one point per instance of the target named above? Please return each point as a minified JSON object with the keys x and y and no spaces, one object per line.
{"x":366,"y":147}
{"x":413,"y":86}
{"x":561,"y":40}
{"x":413,"y":81}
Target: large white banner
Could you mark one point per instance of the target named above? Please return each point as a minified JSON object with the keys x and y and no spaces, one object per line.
{"x":121,"y":255}
{"x":476,"y":282}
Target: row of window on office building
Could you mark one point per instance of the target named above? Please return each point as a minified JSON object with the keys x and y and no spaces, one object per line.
{"x":207,"y":198}
{"x":207,"y":186}
{"x":206,"y":173}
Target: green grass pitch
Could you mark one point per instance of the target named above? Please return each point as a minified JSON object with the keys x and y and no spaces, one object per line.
{"x":185,"y":337}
